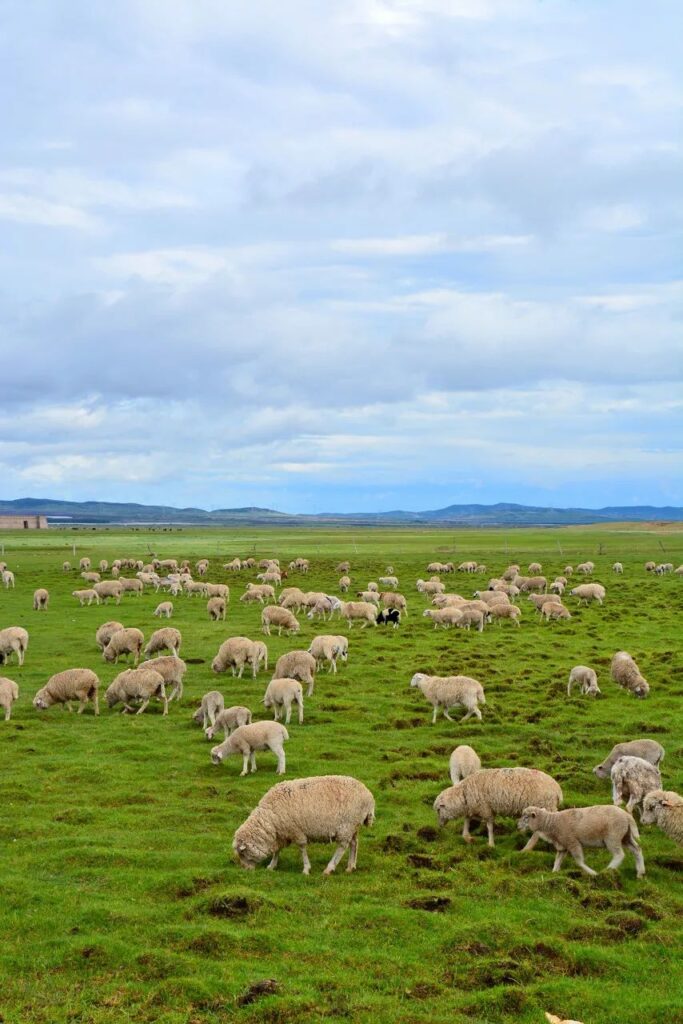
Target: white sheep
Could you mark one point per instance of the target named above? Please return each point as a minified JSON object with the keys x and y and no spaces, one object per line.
{"x":617,"y":568}
{"x":86,"y":595}
{"x":292,"y":598}
{"x":588,"y":679}
{"x":235,"y":652}
{"x":105,"y":632}
{"x":41,"y":599}
{"x":84,"y":564}
{"x":9,"y":692}
{"x":632,"y":779}
{"x":492,"y":791}
{"x":91,"y":577}
{"x":444,"y":617}
{"x":626,"y":673}
{"x":216,"y":608}
{"x":297,"y":665}
{"x":211,"y":706}
{"x":505,"y":611}
{"x":164,"y":610}
{"x":585,"y":567}
{"x":569,"y":831}
{"x":358,"y":610}
{"x":444,"y":692}
{"x":228,"y":720}
{"x":280,"y":695}
{"x":388,"y":582}
{"x":320,"y":809}
{"x":261,"y":593}
{"x":554,"y":611}
{"x":665,"y":809}
{"x":172,"y":669}
{"x":649,"y":750}
{"x":280,"y":618}
{"x":13,"y":640}
{"x":165,"y":639}
{"x":247,"y":739}
{"x":470,"y":616}
{"x":66,"y":566}
{"x":142,"y":684}
{"x":588,"y":592}
{"x":344,"y":584}
{"x":107,"y":589}
{"x":79,"y":684}
{"x":464,"y":761}
{"x":124,"y":642}
{"x":329,"y":648}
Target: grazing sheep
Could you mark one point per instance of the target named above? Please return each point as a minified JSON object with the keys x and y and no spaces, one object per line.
{"x":632,"y":779}
{"x":588,"y":592}
{"x":172,"y":669}
{"x":228,"y":720}
{"x":539,"y":600}
{"x":41,"y":599}
{"x":490,"y":597}
{"x":297,"y":665}
{"x":66,"y":566}
{"x":280,"y":618}
{"x":343,"y":567}
{"x":142,"y":684}
{"x":79,"y":684}
{"x":328,"y":648}
{"x":317,"y":809}
{"x":369,"y":596}
{"x":166,"y":639}
{"x":467,"y":567}
{"x":449,"y":600}
{"x":557,"y":587}
{"x":361,"y":610}
{"x":389,"y":617}
{"x":471,"y":617}
{"x":569,"y":831}
{"x":107,"y":589}
{"x":535,"y":568}
{"x":554,"y":611}
{"x":534,"y":584}
{"x":372,"y":586}
{"x":84,"y":564}
{"x":13,"y":640}
{"x":464,"y":761}
{"x":104,"y":565}
{"x":164,"y":610}
{"x":281,"y":694}
{"x":218,"y":590}
{"x":588,"y":679}
{"x":202,"y":566}
{"x":510,"y":573}
{"x":444,"y":617}
{"x":648,"y":750}
{"x":216,"y":608}
{"x":259,"y":593}
{"x":211,"y":706}
{"x":292,"y":598}
{"x":617,"y":567}
{"x":626,"y":673}
{"x":568,"y":570}
{"x":7,"y":578}
{"x":505,"y":611}
{"x":86,"y":595}
{"x":449,"y":692}
{"x":9,"y":692}
{"x":344,"y":584}
{"x":388,"y":581}
{"x":664,"y":808}
{"x":492,"y":791}
{"x":586,"y":568}
{"x":124,"y":641}
{"x":323,"y":607}
{"x":105,"y":633}
{"x":247,"y":739}
{"x":430,"y":587}
{"x":392,"y":600}
{"x":91,"y":577}
{"x":650,"y":566}
{"x":234,"y":654}
{"x":191,"y":588}
{"x":233,"y":566}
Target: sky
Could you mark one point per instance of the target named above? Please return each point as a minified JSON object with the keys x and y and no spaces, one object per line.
{"x":356,"y":255}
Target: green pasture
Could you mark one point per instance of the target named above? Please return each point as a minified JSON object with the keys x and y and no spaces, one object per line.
{"x":120,"y":897}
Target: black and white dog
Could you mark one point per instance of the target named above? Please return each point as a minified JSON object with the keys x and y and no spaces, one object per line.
{"x":389,"y":616}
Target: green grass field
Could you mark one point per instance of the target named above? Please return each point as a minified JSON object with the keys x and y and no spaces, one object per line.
{"x":120,"y":897}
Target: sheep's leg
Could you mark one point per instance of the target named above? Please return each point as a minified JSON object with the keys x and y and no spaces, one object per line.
{"x":617,"y":798}
{"x":559,"y":857}
{"x":301,"y":712}
{"x":245,"y":763}
{"x":638,"y":855}
{"x":81,"y":705}
{"x":143,"y":706}
{"x":446,"y":715}
{"x":577,"y":854}
{"x":239,"y":674}
{"x":273,"y":861}
{"x":336,"y":857}
{"x":532,"y":842}
{"x":309,"y":691}
{"x":305,"y":859}
{"x":253,"y":760}
{"x":69,"y":707}
{"x":468,"y":715}
{"x":436,"y":711}
{"x":632,"y":802}
{"x":165,"y":700}
{"x":489,"y":829}
{"x":466,"y":831}
{"x":353,"y":854}
{"x":280,"y":754}
{"x":618,"y":854}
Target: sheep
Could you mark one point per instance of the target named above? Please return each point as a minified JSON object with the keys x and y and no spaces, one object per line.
{"x":464,"y":761}
{"x":665,"y":809}
{"x":444,"y":617}
{"x":9,"y":692}
{"x":449,"y":601}
{"x":389,"y":617}
{"x":569,"y":831}
{"x":104,"y":565}
{"x":141,"y":683}
{"x":86,"y":595}
{"x":258,"y":593}
{"x":633,"y":778}
{"x":343,"y":567}
{"x":490,"y":597}
{"x":679,"y":571}
{"x":234,"y":653}
{"x":191,"y":588}
{"x":451,"y":691}
{"x":281,"y":694}
{"x":323,"y":607}
{"x":535,"y":568}
{"x":588,"y":592}
{"x":557,"y":587}
{"x":626,"y":673}
{"x":471,"y":617}
{"x":369,"y":596}
{"x":7,"y":578}
{"x":41,"y":599}
{"x":467,"y":567}
{"x":164,"y":610}
{"x":215,"y":607}
{"x":105,"y":633}
{"x":317,"y":809}
{"x":505,"y":611}
{"x":554,"y":611}
{"x":665,"y":567}
{"x":84,"y":564}
{"x":211,"y":706}
{"x":648,"y":750}
{"x":297,"y":665}
{"x":228,"y":720}
{"x":91,"y":577}
{"x":73,"y":684}
{"x":492,"y":791}
{"x":372,"y":586}
{"x":588,"y":679}
{"x":281,"y":618}
{"x":364,"y":610}
{"x":165,"y":639}
{"x":302,"y":564}
{"x":585,"y":567}
{"x":66,"y":566}
{"x":650,"y":566}
{"x":534,"y":584}
{"x":202,"y":566}
{"x":568,"y":570}
{"x":539,"y":600}
{"x":388,"y":581}
{"x":107,"y":589}
{"x":344,"y":584}
{"x":429,"y":587}
{"x":13,"y":640}
{"x":124,"y":641}
{"x":247,"y":739}
{"x":510,"y":573}
{"x":292,"y":598}
{"x":617,"y":568}
{"x":392,"y":600}
{"x":172,"y":669}
{"x":235,"y":565}
{"x":328,"y":648}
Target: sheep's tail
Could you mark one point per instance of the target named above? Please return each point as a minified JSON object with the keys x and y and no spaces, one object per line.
{"x":370,"y":816}
{"x":633,"y":835}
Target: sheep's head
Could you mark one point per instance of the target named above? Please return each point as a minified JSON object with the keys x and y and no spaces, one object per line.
{"x":42,"y":700}
{"x":642,"y":689}
{"x":530,"y":821}
{"x":198,"y":716}
{"x":216,"y":754}
{"x":450,"y":804}
{"x":216,"y":665}
{"x":250,"y":850}
{"x":417,"y":678}
{"x":112,"y":697}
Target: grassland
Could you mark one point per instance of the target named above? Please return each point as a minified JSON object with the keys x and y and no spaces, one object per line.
{"x":120,"y":898}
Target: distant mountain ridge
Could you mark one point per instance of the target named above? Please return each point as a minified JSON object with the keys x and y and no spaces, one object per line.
{"x":500,"y":514}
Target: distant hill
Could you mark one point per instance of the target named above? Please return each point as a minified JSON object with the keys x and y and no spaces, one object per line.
{"x":501,"y":514}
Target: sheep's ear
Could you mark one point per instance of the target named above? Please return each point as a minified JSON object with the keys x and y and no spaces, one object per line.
{"x":242,"y":847}
{"x":665,"y":802}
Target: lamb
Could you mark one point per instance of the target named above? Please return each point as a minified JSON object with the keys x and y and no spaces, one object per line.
{"x":471,"y":617}
{"x":626,"y":673}
{"x":234,"y":654}
{"x":9,"y":692}
{"x":430,"y":587}
{"x":164,"y":610}
{"x":444,"y":617}
{"x":191,"y":588}
{"x":211,"y":706}
{"x":41,"y":599}
{"x":107,"y":589}
{"x":648,"y":750}
{"x":362,"y":610}
{"x":650,"y":566}
{"x":464,"y":761}
{"x":554,"y":611}
{"x":632,"y":779}
{"x":451,"y":691}
{"x":323,"y":607}
{"x":588,"y":592}
{"x":585,"y":567}
{"x":13,"y":640}
{"x":557,"y":587}
{"x":317,"y":809}
{"x":292,"y":598}
{"x":535,"y":568}
{"x":281,"y":618}
{"x":281,"y":694}
{"x":228,"y":720}
{"x":296,"y":665}
{"x":490,"y":597}
{"x":617,"y":567}
{"x":79,"y":684}
{"x":91,"y":577}
{"x":137,"y":684}
{"x":124,"y":641}
{"x":84,"y":564}
{"x":369,"y":596}
{"x":247,"y":739}
{"x":388,"y":581}
{"x":344,"y":584}
{"x":569,"y":831}
{"x":588,"y":679}
{"x":166,"y":639}
{"x":328,"y":648}
{"x":66,"y":566}
{"x":343,"y":567}
{"x":534,"y":584}
{"x":86,"y":595}
{"x":505,"y":611}
{"x":259,"y":593}
{"x":665,"y":809}
{"x":492,"y":791}
{"x":172,"y":669}
{"x":392,"y":600}
{"x":215,"y":606}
